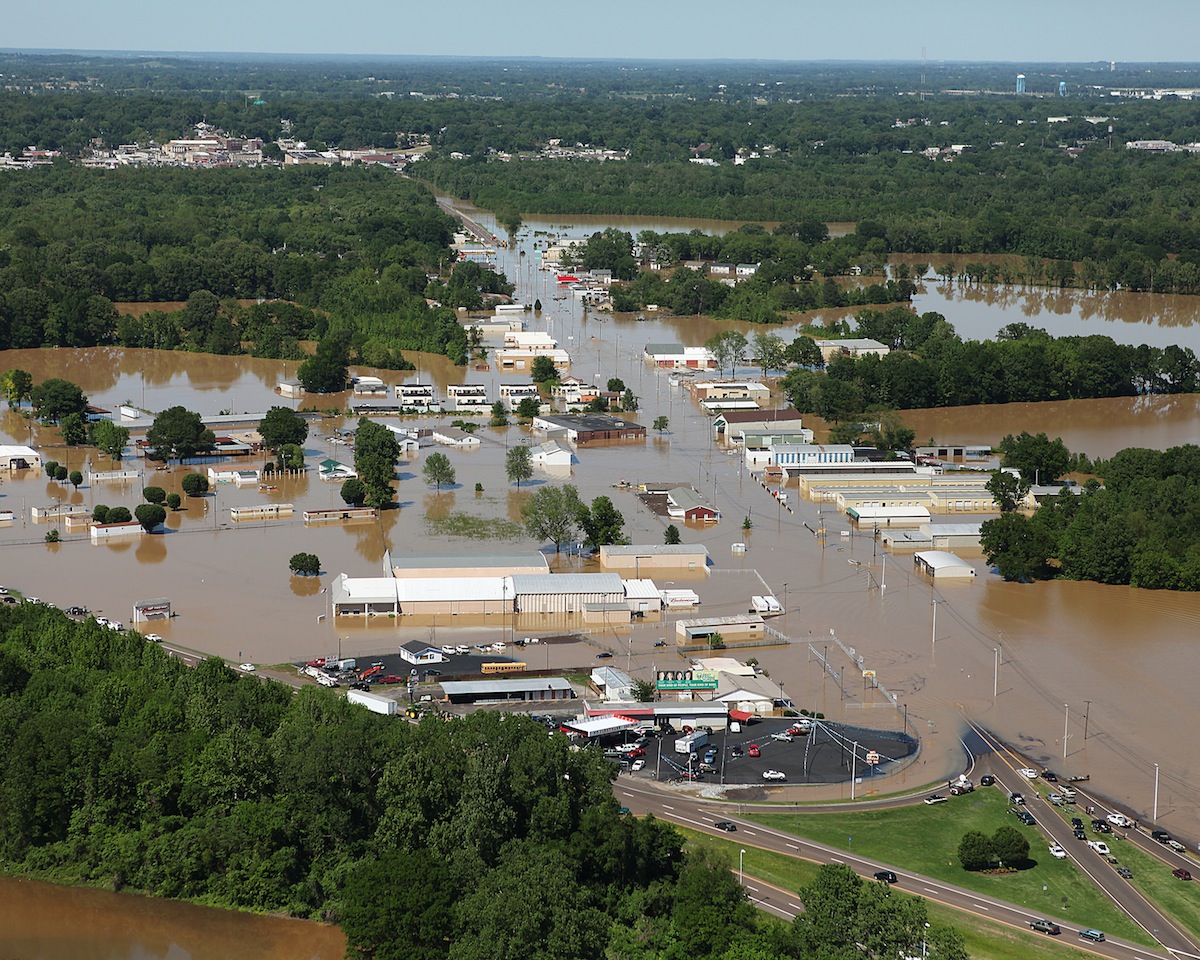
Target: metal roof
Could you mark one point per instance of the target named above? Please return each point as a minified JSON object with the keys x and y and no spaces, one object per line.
{"x":652,"y":549}
{"x":943,"y":562}
{"x":363,"y":589}
{"x":534,"y":583}
{"x":449,"y":589}
{"x":503,"y":561}
{"x":599,"y":726}
{"x":458,"y":688}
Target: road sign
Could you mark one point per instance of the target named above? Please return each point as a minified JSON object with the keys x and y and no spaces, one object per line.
{"x":872,"y":757}
{"x":869,"y":674}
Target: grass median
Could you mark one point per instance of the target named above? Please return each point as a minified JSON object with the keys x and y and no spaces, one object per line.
{"x":925,"y":839}
{"x":984,"y":939}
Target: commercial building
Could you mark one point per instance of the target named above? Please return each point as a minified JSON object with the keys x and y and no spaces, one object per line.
{"x":368,"y":387}
{"x":467,"y":396}
{"x":581,"y":429}
{"x":454,"y":566}
{"x":684,"y":503}
{"x":565,"y":592}
{"x":734,"y":424}
{"x":935,"y":536}
{"x":454,"y":437}
{"x":675,"y":356}
{"x":743,"y":627}
{"x":521,"y":358}
{"x":641,"y":557}
{"x":499,"y":691}
{"x":552,"y":454}
{"x":752,"y":390}
{"x":612,"y":683}
{"x":417,"y":396}
{"x":861,"y":347}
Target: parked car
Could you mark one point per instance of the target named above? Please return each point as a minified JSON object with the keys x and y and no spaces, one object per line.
{"x":1181,"y":874}
{"x":1099,"y":846}
{"x":1050,"y":776}
{"x":1176,"y":846}
{"x":1076,"y":822}
{"x":886,"y":876}
{"x":1100,"y":826}
{"x":1057,"y":852}
{"x":634,"y":752}
{"x":637,"y":765}
{"x":958,"y":790}
{"x":726,"y":826}
{"x":660,"y":643}
{"x":987,"y":780}
{"x":247,"y":667}
{"x":154,"y":638}
{"x":1080,"y":833}
{"x":1119,"y":820}
{"x":1045,"y":926}
{"x":774,"y":775}
{"x":1016,"y":797}
{"x":753,"y":750}
{"x":1094,"y":935}
{"x":935,"y":798}
{"x":1160,"y":835}
{"x":1026,"y":818}
{"x":785,"y":736}
{"x":1055,"y":798}
{"x":1028,"y":773}
{"x":604,"y":656}
{"x":737,"y":752}
{"x":1125,"y":872}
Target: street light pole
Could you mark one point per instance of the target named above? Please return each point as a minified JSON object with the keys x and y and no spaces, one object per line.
{"x":996,"y":674}
{"x":741,"y":872}
{"x":853,"y":768}
{"x":1066,"y":723}
{"x":1086,"y":713}
{"x":1155,"y":818}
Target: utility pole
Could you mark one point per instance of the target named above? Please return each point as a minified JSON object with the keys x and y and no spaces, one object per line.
{"x":1066,"y":722}
{"x":1086,"y":713}
{"x":1155,"y":818}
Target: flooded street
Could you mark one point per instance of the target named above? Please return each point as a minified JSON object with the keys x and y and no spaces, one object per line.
{"x":1119,"y":657}
{"x":42,"y":921}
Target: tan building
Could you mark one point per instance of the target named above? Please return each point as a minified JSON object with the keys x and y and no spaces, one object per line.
{"x":653,"y":556}
{"x":465,"y":565}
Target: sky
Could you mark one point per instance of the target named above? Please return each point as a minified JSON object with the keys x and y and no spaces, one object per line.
{"x":1017,"y":31}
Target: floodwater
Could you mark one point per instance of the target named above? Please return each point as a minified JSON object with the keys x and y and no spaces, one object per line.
{"x":41,"y":921}
{"x":1117,"y":660}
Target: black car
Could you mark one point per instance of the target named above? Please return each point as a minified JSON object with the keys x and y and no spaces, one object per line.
{"x":726,"y":826}
{"x":1080,"y":833}
{"x":1077,"y":823}
{"x":1050,"y":776}
{"x":433,"y":673}
{"x":360,"y":685}
{"x":1100,"y":826}
{"x":736,"y":752}
{"x":1125,"y":872}
{"x":886,"y":876}
{"x":660,"y":643}
{"x":1026,"y":818}
{"x":986,"y":780}
{"x":604,"y":656}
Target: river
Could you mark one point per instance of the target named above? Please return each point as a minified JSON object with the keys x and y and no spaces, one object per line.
{"x":1123,"y":659}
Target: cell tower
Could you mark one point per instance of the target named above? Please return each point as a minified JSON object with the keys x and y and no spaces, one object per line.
{"x":1020,"y":83}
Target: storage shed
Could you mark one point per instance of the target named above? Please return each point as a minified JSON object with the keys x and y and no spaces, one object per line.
{"x":940,"y":564}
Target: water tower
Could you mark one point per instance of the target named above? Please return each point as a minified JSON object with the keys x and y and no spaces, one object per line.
{"x":1062,"y":88}
{"x":1020,"y":83}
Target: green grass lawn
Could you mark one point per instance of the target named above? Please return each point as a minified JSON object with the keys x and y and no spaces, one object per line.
{"x":985,"y":940}
{"x":925,"y":840}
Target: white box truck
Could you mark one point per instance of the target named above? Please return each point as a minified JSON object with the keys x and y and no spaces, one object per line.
{"x":690,"y":741}
{"x":372,"y":701}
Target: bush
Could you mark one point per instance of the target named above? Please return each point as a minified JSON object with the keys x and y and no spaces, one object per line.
{"x":975,"y":851}
{"x":174,"y":501}
{"x":52,"y":536}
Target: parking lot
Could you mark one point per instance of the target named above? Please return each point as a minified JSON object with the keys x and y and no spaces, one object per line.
{"x":822,"y":756}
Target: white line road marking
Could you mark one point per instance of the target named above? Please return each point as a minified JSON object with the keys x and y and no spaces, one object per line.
{"x":667,"y":806}
{"x":795,"y":906}
{"x":793,"y":846}
{"x":750,"y":833}
{"x":930,"y":890}
{"x":755,"y":889}
{"x":982,"y":907}
{"x":836,"y":860}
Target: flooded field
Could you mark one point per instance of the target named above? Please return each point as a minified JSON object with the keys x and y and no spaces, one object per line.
{"x":1078,"y":645}
{"x":41,"y":921}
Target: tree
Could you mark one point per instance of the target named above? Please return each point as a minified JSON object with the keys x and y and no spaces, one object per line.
{"x":1007,"y":489}
{"x":281,"y":426}
{"x":601,"y":524}
{"x":671,"y":535}
{"x":644,"y":690}
{"x":615,"y":385}
{"x":438,"y":470}
{"x":552,"y":514}
{"x":76,"y":478}
{"x":52,"y":536}
{"x":179,"y":432}
{"x":50,"y":467}
{"x":73,"y":428}
{"x":804,"y":352}
{"x":386,"y":917}
{"x":518,"y":463}
{"x":194,"y":484}
{"x":53,"y":399}
{"x":375,"y":453}
{"x":109,"y":438}
{"x":304,"y":564}
{"x":975,"y":851}
{"x":629,"y":402}
{"x":728,"y":348}
{"x":154,"y":494}
{"x":892,"y":434}
{"x":499,"y":416}
{"x":118,"y":515}
{"x":770,"y":351}
{"x":1010,"y":846}
{"x":16,"y":385}
{"x":174,"y":501}
{"x":1017,"y":547}
{"x":1040,"y":459}
{"x":528,"y":408}
{"x":354,"y":492}
{"x":150,"y":515}
{"x":325,"y":370}
{"x":100,"y":513}
{"x":291,"y":457}
{"x":543,"y":370}
{"x":661,"y":424}
{"x":60,"y":473}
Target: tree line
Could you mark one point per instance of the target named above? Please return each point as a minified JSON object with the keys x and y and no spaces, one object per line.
{"x":474,"y":839}
{"x":1138,"y":524}
{"x":931,"y":366}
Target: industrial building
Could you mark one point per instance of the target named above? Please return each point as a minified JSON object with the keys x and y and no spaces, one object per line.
{"x":19,"y":457}
{"x":498,"y":691}
{"x":565,"y":592}
{"x":942,"y":565}
{"x":580,"y":428}
{"x":748,"y":626}
{"x":452,"y":566}
{"x":935,"y":536}
{"x":640,"y":557}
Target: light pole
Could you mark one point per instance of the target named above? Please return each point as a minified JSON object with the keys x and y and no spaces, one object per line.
{"x":741,"y":872}
{"x":1086,"y":713}
{"x":1155,"y":817}
{"x":996,"y":674}
{"x":853,"y":768}
{"x":933,"y":632}
{"x":1066,"y":726}
{"x":785,"y":604}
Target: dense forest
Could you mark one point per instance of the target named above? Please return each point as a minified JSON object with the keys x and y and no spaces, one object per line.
{"x":351,"y":248}
{"x":931,"y":366}
{"x":1141,"y":527}
{"x":475,"y":839}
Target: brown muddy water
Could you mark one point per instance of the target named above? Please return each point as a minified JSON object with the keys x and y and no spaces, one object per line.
{"x":41,"y":921}
{"x":1122,"y":658}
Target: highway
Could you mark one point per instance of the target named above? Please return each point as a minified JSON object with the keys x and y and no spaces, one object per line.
{"x":644,"y":796}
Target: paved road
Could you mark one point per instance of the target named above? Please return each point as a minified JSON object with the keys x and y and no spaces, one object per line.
{"x":644,"y":796}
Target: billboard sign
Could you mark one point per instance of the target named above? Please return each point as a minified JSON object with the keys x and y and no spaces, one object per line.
{"x":685,"y":680}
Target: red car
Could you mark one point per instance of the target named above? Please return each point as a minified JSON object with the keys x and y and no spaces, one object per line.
{"x":635,"y":752}
{"x":753,"y":750}
{"x":1181,"y":874}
